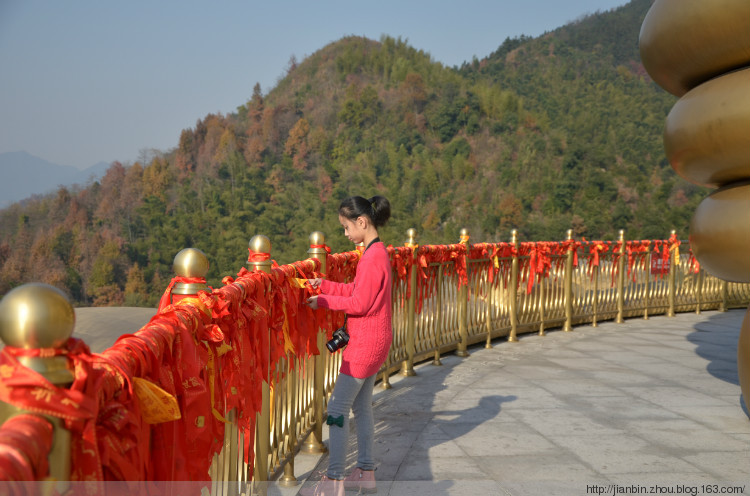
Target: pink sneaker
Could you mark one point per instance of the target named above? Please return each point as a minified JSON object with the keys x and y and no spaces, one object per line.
{"x":324,"y":487}
{"x":361,"y":480}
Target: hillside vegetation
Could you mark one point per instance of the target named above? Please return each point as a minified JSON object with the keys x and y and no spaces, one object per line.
{"x":543,"y":135}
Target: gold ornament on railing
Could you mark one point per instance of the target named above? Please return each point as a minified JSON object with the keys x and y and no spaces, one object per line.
{"x":190,"y":263}
{"x":38,"y":316}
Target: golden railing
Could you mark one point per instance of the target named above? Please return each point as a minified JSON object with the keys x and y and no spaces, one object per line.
{"x":447,"y":298}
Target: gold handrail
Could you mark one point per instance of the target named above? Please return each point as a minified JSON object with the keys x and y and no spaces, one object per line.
{"x":625,"y":282}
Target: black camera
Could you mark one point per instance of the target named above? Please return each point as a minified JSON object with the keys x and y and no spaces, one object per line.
{"x":339,"y":340}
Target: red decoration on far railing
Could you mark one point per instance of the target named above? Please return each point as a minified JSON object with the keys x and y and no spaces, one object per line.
{"x":596,"y":248}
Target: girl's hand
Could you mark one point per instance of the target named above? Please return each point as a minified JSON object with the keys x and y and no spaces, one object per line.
{"x":312,"y":302}
{"x":315,"y":283}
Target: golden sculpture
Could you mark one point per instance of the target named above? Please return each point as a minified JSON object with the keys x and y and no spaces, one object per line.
{"x":700,"y":51}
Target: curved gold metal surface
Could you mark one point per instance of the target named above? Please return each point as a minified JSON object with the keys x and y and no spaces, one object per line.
{"x":36,"y":315}
{"x":743,"y":359}
{"x":720,"y":233}
{"x":684,"y":43}
{"x":706,"y":135}
{"x":260,"y":244}
{"x":190,"y":262}
{"x":317,"y":238}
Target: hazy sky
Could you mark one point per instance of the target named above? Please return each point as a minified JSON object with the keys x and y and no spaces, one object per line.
{"x":84,"y":81}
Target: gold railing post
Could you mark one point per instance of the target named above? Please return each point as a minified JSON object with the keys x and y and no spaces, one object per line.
{"x":594,"y":321}
{"x":189,"y":262}
{"x":314,"y":443}
{"x":724,"y":296}
{"x":488,"y":311}
{"x":542,"y":303}
{"x":621,"y":261}
{"x":40,"y":316}
{"x":463,"y":307}
{"x":407,"y":366}
{"x":673,"y":260}
{"x":513,"y":289}
{"x":647,"y":288}
{"x":698,"y":290}
{"x":260,"y":261}
{"x":288,"y":479}
{"x":568,"y":283}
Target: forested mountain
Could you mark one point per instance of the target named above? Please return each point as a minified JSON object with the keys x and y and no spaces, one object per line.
{"x":545,"y":134}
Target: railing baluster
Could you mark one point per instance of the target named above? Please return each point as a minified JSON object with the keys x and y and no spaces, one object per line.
{"x":513,"y":289}
{"x":439,"y":320}
{"x":407,"y":366}
{"x":568,"y":283}
{"x":724,"y":296}
{"x":463,"y":306}
{"x":288,"y":479}
{"x":674,"y":259}
{"x":647,"y":289}
{"x":260,"y":260}
{"x":621,"y":261}
{"x":314,"y":443}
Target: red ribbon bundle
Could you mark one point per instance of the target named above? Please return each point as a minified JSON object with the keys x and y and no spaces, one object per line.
{"x":596,"y":248}
{"x":166,"y":297}
{"x":25,"y":441}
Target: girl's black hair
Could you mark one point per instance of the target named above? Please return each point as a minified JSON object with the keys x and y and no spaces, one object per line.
{"x":377,"y":209}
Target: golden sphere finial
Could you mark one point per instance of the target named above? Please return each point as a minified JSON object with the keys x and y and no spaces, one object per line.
{"x":622,"y":234}
{"x":464,"y":232}
{"x":411,"y":234}
{"x":260,"y":244}
{"x":514,"y":235}
{"x":36,"y":315}
{"x":317,"y":238}
{"x":190,"y":262}
{"x":569,"y":234}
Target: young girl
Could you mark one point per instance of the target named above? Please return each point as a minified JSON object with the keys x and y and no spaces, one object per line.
{"x":367,"y":303}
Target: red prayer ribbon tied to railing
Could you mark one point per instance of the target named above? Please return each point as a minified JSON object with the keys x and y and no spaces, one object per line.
{"x":636,"y":250}
{"x":571,"y":245}
{"x":257,"y":256}
{"x":98,"y":409}
{"x":540,"y":262}
{"x":166,"y":297}
{"x":694,"y":265}
{"x":596,"y":248}
{"x":25,"y":442}
{"x":402,"y":260}
{"x":617,"y":252}
{"x":319,"y":247}
{"x":494,"y":252}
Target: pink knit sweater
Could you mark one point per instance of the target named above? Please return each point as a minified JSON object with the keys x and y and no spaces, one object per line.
{"x":367,"y":302}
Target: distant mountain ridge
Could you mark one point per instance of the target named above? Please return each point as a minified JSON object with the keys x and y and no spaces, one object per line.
{"x":24,"y":175}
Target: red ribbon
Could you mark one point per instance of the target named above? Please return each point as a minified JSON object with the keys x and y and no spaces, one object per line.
{"x":595,"y":250}
{"x":539,"y":263}
{"x":324,"y":247}
{"x":25,"y":442}
{"x":257,"y":256}
{"x":166,"y":297}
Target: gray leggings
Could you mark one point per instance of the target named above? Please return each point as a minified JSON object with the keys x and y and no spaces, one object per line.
{"x":350,"y":393}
